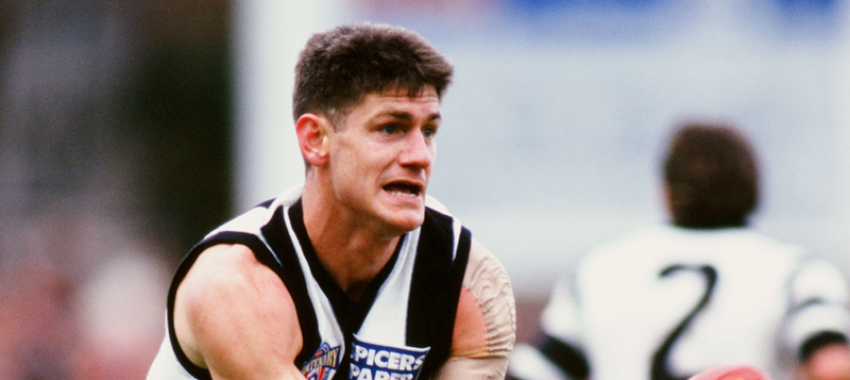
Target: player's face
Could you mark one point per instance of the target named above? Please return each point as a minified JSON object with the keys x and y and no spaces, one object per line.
{"x":381,"y":158}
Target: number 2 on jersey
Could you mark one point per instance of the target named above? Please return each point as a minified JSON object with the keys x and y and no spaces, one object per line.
{"x":660,"y":370}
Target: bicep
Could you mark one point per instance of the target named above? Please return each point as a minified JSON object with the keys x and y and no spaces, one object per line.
{"x":235,"y":317}
{"x":485,"y":325}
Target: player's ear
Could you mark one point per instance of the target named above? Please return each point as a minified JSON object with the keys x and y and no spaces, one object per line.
{"x":312,"y":131}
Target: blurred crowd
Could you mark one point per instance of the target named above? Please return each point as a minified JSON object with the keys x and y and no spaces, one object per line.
{"x":91,"y":225}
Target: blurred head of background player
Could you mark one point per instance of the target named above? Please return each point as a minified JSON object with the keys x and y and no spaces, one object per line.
{"x":711,"y":177}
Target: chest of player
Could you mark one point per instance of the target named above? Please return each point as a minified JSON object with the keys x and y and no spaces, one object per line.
{"x":401,"y":328}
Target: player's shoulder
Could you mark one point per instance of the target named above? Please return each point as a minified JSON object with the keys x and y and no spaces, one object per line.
{"x":664,"y":240}
{"x":488,"y":280}
{"x":753,"y":239}
{"x":226,"y":259}
{"x":436,"y":205}
{"x":484,"y":276}
{"x":483,"y":262}
{"x":227,"y":270}
{"x":818,"y":278}
{"x":252,"y":220}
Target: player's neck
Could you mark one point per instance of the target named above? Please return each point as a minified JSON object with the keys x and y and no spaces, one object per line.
{"x":354,"y":268}
{"x":351,"y":254}
{"x":353,"y":259}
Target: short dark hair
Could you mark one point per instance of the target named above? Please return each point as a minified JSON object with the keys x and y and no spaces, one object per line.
{"x":339,"y":67}
{"x":711,"y":175}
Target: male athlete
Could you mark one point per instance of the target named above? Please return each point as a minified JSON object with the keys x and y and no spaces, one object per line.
{"x":705,"y":291}
{"x":355,"y":275}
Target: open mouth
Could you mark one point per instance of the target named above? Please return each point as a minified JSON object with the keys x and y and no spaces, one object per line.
{"x":403,"y":189}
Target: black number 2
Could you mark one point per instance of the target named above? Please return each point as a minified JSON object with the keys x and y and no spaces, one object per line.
{"x":660,"y":370}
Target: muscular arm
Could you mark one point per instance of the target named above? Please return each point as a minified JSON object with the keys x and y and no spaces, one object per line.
{"x":485,"y":326}
{"x":233,"y":316}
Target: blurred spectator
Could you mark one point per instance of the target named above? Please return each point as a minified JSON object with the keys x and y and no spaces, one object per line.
{"x":89,"y":214}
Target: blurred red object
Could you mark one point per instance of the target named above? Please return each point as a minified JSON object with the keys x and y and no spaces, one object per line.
{"x":732,"y":373}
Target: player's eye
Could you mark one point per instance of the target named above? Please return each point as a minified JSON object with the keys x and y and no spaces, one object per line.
{"x":389,"y":129}
{"x":429,"y":132}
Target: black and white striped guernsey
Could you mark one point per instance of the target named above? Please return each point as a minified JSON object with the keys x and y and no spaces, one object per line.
{"x":401,"y":328}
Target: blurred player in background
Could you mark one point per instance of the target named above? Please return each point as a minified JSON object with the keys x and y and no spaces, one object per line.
{"x":706,"y":290}
{"x":355,"y":274}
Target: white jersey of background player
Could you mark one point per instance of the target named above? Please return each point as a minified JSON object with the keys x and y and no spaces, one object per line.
{"x":669,"y":301}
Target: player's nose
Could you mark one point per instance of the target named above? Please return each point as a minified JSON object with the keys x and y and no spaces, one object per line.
{"x":418,"y":150}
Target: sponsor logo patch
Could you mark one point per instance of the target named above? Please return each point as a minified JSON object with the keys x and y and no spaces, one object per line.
{"x":324,"y":363}
{"x":375,"y":362}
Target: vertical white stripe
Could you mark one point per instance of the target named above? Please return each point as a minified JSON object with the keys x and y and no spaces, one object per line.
{"x":386,"y":323}
{"x":456,"y":226}
{"x":329,"y":329}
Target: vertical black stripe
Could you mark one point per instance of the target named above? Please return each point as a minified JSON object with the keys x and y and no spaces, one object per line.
{"x":435,"y":289}
{"x":290,"y":272}
{"x":179,"y":275}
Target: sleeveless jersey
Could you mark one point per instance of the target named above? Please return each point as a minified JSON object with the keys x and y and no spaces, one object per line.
{"x":401,"y":328}
{"x":666,"y":303}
